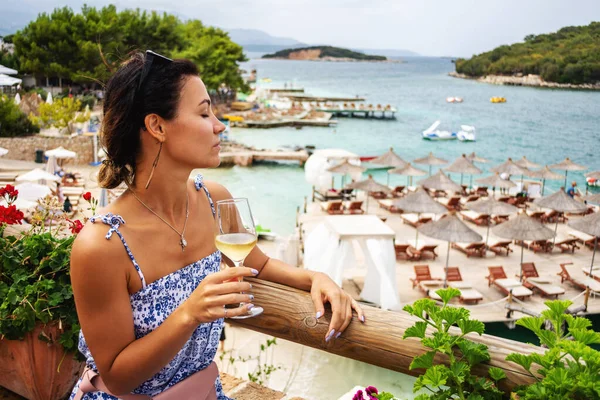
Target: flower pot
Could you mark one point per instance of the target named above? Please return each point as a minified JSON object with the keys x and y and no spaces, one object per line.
{"x":38,"y":369}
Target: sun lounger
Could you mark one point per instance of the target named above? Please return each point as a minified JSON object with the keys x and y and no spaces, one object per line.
{"x":584,"y":238}
{"x":378,"y":195}
{"x":552,"y":216}
{"x":452,"y":203}
{"x":415,"y":220}
{"x":471,"y":249}
{"x":537,"y":246}
{"x":539,"y":214}
{"x":500,"y":247}
{"x":404,"y":252}
{"x":332,"y":207}
{"x":424,"y":249}
{"x":595,"y":274}
{"x":566,"y":245}
{"x":497,"y":277}
{"x":388,"y":204}
{"x":581,"y":283}
{"x":328,"y":195}
{"x":467,"y":293}
{"x":498,"y":219}
{"x":423,"y":278}
{"x":398,"y":191}
{"x":543,"y":285}
{"x":473,"y":197}
{"x":482,"y":191}
{"x":475,"y":217}
{"x":354,"y":207}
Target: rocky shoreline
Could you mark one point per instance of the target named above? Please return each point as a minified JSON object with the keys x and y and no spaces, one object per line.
{"x":525,"y":80}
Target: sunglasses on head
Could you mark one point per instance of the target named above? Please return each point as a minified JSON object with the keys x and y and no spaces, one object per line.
{"x":152,"y":58}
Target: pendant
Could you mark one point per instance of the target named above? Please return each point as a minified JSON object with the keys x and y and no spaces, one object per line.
{"x":183,"y":243}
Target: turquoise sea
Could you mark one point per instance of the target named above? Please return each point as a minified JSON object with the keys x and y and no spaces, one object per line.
{"x":544,"y":125}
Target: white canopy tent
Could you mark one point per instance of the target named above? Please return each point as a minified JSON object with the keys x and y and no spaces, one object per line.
{"x":60,"y":153}
{"x":7,"y":71}
{"x":6,"y":80}
{"x":315,"y":168}
{"x":329,"y":248}
{"x":36,"y":175}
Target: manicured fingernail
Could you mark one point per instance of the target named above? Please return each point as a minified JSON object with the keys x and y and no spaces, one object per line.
{"x":250,"y":285}
{"x":330,"y":335}
{"x":255,"y":272}
{"x":338,"y":335}
{"x":319,"y":314}
{"x":251,"y":296}
{"x":249,"y":306}
{"x":362,"y":318}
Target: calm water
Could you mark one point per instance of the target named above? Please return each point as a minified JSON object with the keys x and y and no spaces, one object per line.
{"x":544,"y":125}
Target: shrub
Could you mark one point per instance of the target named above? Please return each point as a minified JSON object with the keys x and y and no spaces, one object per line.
{"x":62,"y":113}
{"x":13,"y":122}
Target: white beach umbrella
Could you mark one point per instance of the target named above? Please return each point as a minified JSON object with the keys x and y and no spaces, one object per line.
{"x":7,"y":71}
{"x":3,"y":151}
{"x":49,"y":98}
{"x":60,"y":153}
{"x":32,"y":191}
{"x":17,"y":99}
{"x":452,"y":230}
{"x":6,"y":80}
{"x":589,"y":224}
{"x":36,"y":175}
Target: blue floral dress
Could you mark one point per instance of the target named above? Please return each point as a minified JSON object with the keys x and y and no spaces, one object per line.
{"x":153,"y":304}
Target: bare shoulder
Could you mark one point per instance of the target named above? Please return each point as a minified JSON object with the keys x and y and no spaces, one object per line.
{"x":217,"y":191}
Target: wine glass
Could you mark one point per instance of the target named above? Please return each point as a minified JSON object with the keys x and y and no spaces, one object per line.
{"x":236,"y":237}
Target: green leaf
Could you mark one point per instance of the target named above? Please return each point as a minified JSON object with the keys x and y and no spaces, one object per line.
{"x":521,"y":359}
{"x":534,"y":324}
{"x":423,"y":361}
{"x":459,"y":371}
{"x":383,"y":396}
{"x":448,"y":294}
{"x":585,"y":336}
{"x":475,"y":353}
{"x":436,"y":376}
{"x":496,"y":373}
{"x":475,"y":396}
{"x":417,"y":330}
{"x":421,"y":307}
{"x":452,"y":315}
{"x":468,"y":326}
{"x":547,"y":338}
{"x":440,"y":341}
{"x":577,"y":322}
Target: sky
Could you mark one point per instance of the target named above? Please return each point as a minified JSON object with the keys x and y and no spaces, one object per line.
{"x":428,"y":27}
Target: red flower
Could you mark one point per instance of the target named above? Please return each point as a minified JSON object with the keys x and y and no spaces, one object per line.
{"x":87,"y":196}
{"x":9,"y":193}
{"x":76,"y":226}
{"x":10,"y":215}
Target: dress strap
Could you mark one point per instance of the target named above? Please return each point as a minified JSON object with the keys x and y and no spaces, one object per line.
{"x":115,"y":221}
{"x":199,"y":183}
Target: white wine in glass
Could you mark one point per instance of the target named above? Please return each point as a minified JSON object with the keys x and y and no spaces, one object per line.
{"x":236,"y":237}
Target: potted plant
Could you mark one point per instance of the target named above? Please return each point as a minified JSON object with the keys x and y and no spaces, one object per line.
{"x":38,"y":320}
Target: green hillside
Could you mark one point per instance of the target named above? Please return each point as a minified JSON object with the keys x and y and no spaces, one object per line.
{"x":328,"y":51}
{"x":571,"y":55}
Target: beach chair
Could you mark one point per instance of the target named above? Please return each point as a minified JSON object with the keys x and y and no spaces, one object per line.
{"x":537,"y":246}
{"x":539,"y":214}
{"x":497,"y":277}
{"x":501,"y":247}
{"x":482,"y":191}
{"x":581,"y":283}
{"x":333,"y":207}
{"x":552,"y":216}
{"x":566,"y":245}
{"x":471,"y":249}
{"x":424,"y":251}
{"x":378,"y":195}
{"x":533,"y":281}
{"x":595,"y":272}
{"x":388,"y":204}
{"x":469,"y":199}
{"x":475,"y":217}
{"x":403,"y":252}
{"x":452,"y":203}
{"x":467,"y":293}
{"x":354,"y":207}
{"x":498,"y":219}
{"x":423,"y":278}
{"x":415,"y":220}
{"x":583,"y":238}
{"x":328,"y":195}
{"x":398,"y":191}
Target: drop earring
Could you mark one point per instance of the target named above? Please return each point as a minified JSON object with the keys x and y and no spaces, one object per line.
{"x":154,"y":164}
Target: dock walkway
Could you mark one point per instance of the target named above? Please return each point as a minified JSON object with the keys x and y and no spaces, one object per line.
{"x":247,"y":158}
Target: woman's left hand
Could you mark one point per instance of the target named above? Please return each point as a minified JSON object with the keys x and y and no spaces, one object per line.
{"x":322,"y":290}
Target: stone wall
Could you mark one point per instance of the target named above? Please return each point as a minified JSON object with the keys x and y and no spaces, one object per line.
{"x":24,"y":148}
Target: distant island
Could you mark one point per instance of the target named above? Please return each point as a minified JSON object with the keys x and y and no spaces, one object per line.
{"x":323,"y":53}
{"x":569,"y":58}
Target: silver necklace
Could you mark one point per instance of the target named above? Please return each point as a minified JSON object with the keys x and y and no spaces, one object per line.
{"x":182,"y":241}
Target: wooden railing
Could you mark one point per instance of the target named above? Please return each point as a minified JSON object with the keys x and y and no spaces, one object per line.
{"x":289,"y":314}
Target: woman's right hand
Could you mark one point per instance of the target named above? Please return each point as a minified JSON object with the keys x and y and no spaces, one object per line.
{"x":207,"y":302}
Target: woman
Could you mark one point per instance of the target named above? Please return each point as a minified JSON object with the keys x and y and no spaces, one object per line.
{"x":147,"y":323}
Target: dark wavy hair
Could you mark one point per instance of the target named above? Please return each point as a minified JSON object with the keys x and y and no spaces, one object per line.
{"x":126,"y":107}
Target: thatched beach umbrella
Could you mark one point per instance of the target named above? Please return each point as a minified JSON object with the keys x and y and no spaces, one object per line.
{"x":368,"y":185}
{"x":491,"y":207}
{"x":440,"y":181}
{"x":592,"y":198}
{"x":430,"y":160}
{"x":450,"y":229}
{"x":523,"y":227}
{"x":593,"y":174}
{"x":389,"y":159}
{"x":510,"y":168}
{"x":419,"y":202}
{"x":544,"y":174}
{"x":525,"y":163}
{"x":409,"y":171}
{"x":589,"y":224}
{"x":461,"y":166}
{"x":345,"y":168}
{"x":474,"y":158}
{"x":567,"y":165}
{"x":561,"y":202}
{"x":496,"y":181}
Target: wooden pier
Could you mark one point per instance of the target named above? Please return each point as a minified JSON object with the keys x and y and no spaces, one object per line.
{"x":322,"y":99}
{"x":365,"y":112}
{"x":247,"y":158}
{"x":286,"y":90}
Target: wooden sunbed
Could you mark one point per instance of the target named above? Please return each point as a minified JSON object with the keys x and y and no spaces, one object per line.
{"x":533,"y":281}
{"x":537,"y":246}
{"x":501,"y":246}
{"x":452,"y":203}
{"x":581,"y":283}
{"x":499,"y":219}
{"x":566,"y":245}
{"x":388,"y":204}
{"x":595,"y":274}
{"x":354,"y":207}
{"x":378,"y":195}
{"x":423,"y":251}
{"x":404,"y":252}
{"x":333,"y":207}
{"x":471,"y":249}
{"x":482,"y":191}
{"x":476,"y":218}
{"x":467,"y":293}
{"x":497,"y":277}
{"x":398,"y":191}
{"x":553,"y":216}
{"x":539,"y":214}
{"x":583,"y":238}
{"x":468,"y":199}
{"x":423,"y":278}
{"x":415,"y":220}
